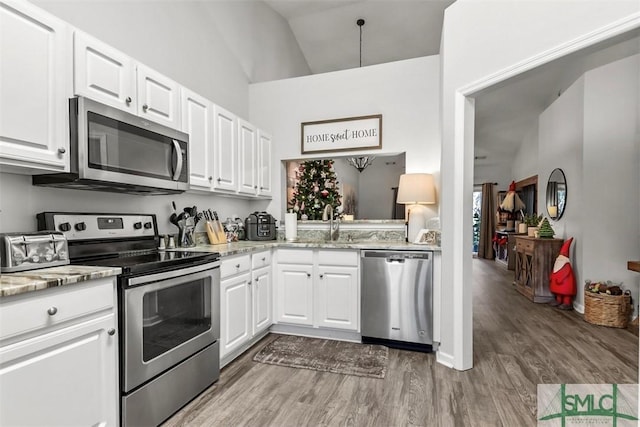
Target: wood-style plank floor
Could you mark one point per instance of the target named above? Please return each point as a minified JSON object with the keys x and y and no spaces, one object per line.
{"x":517,"y":345}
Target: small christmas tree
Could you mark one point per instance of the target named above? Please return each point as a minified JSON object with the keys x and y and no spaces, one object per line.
{"x":545,"y":231}
{"x":317,"y":187}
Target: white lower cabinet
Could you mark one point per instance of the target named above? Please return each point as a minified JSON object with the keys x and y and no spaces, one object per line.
{"x":63,"y":372}
{"x":318,"y":288}
{"x":245,"y":302}
{"x":295,"y":294}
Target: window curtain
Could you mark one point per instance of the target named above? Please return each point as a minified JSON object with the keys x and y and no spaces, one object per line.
{"x":487,"y":222}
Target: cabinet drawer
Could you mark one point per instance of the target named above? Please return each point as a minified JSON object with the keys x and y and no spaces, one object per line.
{"x":261,"y":259}
{"x":235,"y":265}
{"x":30,"y":312}
{"x":338,"y":257}
{"x":295,"y":256}
{"x":524,"y":245}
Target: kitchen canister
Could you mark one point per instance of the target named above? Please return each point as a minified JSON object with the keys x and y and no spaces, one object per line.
{"x":291,"y":226}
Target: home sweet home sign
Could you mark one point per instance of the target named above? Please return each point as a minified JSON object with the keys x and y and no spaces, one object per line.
{"x":348,"y":134}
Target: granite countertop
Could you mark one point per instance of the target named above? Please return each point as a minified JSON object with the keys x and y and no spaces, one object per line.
{"x":29,"y":281}
{"x":235,"y":248}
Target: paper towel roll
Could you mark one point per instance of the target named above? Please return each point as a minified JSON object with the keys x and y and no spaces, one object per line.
{"x":291,"y":226}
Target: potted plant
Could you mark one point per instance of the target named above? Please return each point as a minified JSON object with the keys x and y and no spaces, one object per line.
{"x":532,"y":222}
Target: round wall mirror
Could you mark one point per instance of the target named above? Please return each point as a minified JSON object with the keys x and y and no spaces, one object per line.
{"x":556,"y":194}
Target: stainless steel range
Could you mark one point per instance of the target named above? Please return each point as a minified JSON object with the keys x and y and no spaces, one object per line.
{"x":168,"y":307}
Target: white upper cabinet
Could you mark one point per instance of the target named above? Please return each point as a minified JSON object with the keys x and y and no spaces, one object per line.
{"x":225,"y":153}
{"x":158,"y":97}
{"x":107,"y":75}
{"x":197,"y":121}
{"x":103,"y":73}
{"x":35,"y":70}
{"x":263,"y":169}
{"x":247,"y":158}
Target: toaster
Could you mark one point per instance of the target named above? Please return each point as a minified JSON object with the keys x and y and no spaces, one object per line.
{"x":29,"y":251}
{"x":260,"y":226}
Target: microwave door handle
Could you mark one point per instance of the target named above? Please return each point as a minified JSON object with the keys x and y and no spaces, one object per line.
{"x":178,"y":152}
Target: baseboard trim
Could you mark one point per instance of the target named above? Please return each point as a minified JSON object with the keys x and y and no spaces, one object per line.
{"x":307,"y":331}
{"x":444,"y":359}
{"x":578,"y":307}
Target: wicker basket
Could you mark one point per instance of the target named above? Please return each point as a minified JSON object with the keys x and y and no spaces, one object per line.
{"x":607,"y":310}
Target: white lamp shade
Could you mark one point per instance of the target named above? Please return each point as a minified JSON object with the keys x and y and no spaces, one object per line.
{"x":416,"y":188}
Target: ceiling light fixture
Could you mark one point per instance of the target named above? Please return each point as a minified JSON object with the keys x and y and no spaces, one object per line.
{"x":360,"y":23}
{"x":361,"y":162}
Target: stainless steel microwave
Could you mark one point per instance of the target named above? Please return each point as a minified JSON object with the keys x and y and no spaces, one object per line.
{"x":112,"y":150}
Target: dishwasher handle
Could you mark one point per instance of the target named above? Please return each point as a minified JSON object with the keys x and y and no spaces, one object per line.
{"x":397,"y":256}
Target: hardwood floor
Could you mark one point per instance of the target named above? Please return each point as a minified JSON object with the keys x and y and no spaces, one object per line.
{"x":517,"y":345}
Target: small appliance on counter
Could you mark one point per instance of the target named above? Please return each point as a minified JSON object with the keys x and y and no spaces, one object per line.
{"x":260,"y":226}
{"x":30,"y":251}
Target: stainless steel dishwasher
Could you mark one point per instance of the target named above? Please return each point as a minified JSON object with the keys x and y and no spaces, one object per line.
{"x":397,"y":299}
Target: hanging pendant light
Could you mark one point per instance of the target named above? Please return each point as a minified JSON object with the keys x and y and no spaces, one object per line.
{"x":361,"y":162}
{"x":360,"y":23}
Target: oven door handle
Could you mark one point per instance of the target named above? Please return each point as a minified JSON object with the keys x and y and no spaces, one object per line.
{"x":171,"y":274}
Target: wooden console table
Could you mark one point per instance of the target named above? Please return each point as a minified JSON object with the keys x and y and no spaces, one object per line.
{"x":534,"y":263}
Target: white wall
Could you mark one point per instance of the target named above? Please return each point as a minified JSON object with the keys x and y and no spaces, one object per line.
{"x":481,"y":38}
{"x":561,"y":131}
{"x":406,"y":93}
{"x":215,"y":48}
{"x":20,"y":202}
{"x":611,"y":233}
{"x":525,"y":164}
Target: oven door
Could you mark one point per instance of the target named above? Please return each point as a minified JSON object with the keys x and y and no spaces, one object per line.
{"x":167,"y":317}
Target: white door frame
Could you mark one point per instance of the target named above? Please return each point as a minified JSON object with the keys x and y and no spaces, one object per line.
{"x":463,"y":140}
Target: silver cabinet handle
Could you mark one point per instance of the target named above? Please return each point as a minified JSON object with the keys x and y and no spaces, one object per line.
{"x":62,"y":150}
{"x":128,"y":100}
{"x":255,"y":187}
{"x":111,"y":331}
{"x":210,"y":178}
{"x":237,"y":265}
{"x":321,"y":276}
{"x":264,"y":259}
{"x":52,"y":311}
{"x":249,"y":283}
{"x":145,"y":107}
{"x":308,"y":275}
{"x":219,"y":179}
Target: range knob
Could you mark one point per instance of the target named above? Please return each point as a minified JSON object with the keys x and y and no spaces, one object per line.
{"x":148,"y":225}
{"x":137,"y":225}
{"x":65,"y":226}
{"x":81,"y":226}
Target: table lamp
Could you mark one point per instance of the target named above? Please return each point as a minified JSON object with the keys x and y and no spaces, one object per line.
{"x":415,"y":190}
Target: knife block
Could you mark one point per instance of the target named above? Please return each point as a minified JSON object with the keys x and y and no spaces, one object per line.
{"x":214,"y":237}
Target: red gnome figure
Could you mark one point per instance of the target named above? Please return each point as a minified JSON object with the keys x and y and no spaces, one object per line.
{"x":562,"y":282}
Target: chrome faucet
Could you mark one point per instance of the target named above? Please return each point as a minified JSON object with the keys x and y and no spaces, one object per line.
{"x":334,"y":227}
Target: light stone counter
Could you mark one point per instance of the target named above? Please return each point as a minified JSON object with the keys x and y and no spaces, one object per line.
{"x":29,"y":281}
{"x":235,"y":248}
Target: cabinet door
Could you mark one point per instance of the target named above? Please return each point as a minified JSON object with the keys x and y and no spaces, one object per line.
{"x":63,"y":378}
{"x":235,"y":313}
{"x":263,"y":170}
{"x":103,"y":73}
{"x":295,"y":294}
{"x":34,"y":76}
{"x":197,"y":120}
{"x":158,"y":97}
{"x":247,"y":158}
{"x":337,"y":294}
{"x":225,"y":155}
{"x":261,"y":284}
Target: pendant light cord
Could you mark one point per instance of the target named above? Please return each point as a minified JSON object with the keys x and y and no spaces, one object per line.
{"x":360,"y":23}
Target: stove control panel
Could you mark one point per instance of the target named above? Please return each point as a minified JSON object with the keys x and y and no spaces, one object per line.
{"x":83,"y":226}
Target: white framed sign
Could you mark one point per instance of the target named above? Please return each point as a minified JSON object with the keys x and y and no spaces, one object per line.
{"x":352,"y":133}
